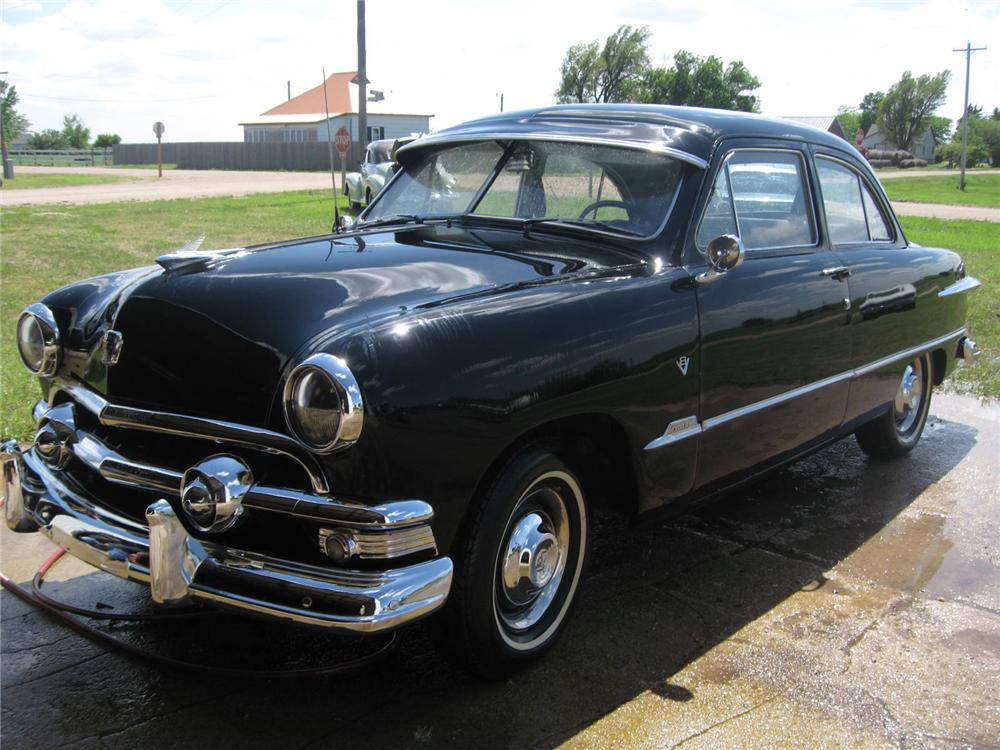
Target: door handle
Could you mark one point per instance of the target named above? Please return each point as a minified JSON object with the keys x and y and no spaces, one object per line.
{"x":838,"y":273}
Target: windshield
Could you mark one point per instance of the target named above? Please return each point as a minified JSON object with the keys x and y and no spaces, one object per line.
{"x":611,"y":189}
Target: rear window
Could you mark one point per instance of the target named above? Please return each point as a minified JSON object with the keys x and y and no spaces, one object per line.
{"x":852,"y":213}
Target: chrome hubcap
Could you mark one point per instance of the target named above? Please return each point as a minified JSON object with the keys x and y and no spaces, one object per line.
{"x":533,"y":558}
{"x":909,"y":397}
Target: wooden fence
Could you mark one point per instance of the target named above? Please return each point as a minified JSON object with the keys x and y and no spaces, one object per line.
{"x":238,"y":155}
{"x":91,"y":157}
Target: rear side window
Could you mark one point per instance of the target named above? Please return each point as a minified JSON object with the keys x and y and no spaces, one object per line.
{"x":762,"y":197}
{"x":852,"y":213}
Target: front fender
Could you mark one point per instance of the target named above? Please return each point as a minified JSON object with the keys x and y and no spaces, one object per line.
{"x":448,"y":389}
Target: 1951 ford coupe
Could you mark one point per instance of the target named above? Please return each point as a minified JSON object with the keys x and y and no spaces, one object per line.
{"x":640,"y":305}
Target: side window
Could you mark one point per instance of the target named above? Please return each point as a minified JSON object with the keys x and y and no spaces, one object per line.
{"x":762,"y":196}
{"x":878,"y":227}
{"x":852,"y":213}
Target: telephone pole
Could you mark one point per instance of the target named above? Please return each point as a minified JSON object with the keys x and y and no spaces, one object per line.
{"x":362,"y":80}
{"x":969,"y":49}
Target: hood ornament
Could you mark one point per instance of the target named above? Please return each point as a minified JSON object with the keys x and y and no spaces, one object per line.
{"x":191,"y":257}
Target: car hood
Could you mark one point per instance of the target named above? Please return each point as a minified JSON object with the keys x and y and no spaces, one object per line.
{"x":215,"y":339}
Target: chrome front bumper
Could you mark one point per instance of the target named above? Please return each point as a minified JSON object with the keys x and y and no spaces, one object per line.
{"x":177,"y":566}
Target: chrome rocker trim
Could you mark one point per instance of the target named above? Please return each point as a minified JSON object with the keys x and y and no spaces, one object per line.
{"x":177,"y":566}
{"x":215,"y":430}
{"x":689,"y":427}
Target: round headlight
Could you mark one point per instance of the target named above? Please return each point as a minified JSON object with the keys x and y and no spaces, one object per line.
{"x":38,"y":339}
{"x":323,"y":403}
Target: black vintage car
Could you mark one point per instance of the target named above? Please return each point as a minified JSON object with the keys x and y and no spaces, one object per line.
{"x":636,"y":305}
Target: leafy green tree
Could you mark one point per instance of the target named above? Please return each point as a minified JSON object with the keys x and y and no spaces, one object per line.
{"x":14,"y":123}
{"x":76,"y":133}
{"x":975,"y":112}
{"x":996,"y":114}
{"x":869,"y":109}
{"x":592,"y":73}
{"x":906,"y":109}
{"x":850,"y":120}
{"x":581,"y":69}
{"x":107,"y":140}
{"x":701,"y":82}
{"x":987,"y":132}
{"x":47,"y":140}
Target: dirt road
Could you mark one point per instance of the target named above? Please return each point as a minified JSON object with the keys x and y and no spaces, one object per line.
{"x":175,"y":183}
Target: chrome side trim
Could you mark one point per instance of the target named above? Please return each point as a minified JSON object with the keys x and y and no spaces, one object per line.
{"x":907,"y":353}
{"x":966,"y":284}
{"x":444,"y":139}
{"x":743,"y":411}
{"x":689,"y":427}
{"x":676,"y":431}
{"x":219,"y":431}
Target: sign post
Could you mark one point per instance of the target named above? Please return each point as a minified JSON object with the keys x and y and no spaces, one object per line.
{"x":343,"y":142}
{"x":158,"y":129}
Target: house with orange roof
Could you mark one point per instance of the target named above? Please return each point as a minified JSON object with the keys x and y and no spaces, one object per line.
{"x":303,"y":118}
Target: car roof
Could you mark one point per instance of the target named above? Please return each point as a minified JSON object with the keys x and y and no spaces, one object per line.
{"x":689,"y":133}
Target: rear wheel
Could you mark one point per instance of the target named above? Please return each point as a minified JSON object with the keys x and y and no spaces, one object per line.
{"x":897,"y":432}
{"x":519,"y":568}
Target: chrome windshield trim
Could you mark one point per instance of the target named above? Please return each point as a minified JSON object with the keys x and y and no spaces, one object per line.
{"x":962,"y":285}
{"x":220,"y":431}
{"x":657,"y":148}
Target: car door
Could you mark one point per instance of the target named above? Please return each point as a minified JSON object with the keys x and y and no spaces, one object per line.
{"x":892,"y":300}
{"x":774,"y":334}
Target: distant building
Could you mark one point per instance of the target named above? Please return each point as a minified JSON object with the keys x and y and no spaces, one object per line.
{"x":829,"y":123}
{"x":923,"y":146}
{"x":303,"y":118}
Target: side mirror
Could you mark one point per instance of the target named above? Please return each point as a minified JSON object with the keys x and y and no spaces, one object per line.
{"x":724,"y":253}
{"x":343,"y":224}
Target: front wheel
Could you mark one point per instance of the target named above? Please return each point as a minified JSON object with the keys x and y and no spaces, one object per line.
{"x":519,"y":569}
{"x":896,"y":433}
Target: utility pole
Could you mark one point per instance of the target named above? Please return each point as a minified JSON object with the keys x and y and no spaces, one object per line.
{"x":290,"y":89}
{"x":362,"y":80}
{"x":8,"y":166}
{"x":969,"y":49}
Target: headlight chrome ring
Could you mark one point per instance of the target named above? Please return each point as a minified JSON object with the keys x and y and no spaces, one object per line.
{"x":323,"y":404}
{"x":38,"y":340}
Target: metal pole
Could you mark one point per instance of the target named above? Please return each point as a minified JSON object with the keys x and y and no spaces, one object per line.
{"x":362,"y":80}
{"x":329,"y":146}
{"x":159,"y":157}
{"x":965,"y":113}
{"x":8,"y":165}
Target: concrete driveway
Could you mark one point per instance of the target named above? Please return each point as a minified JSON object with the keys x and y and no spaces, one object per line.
{"x":143,"y":185}
{"x":838,"y":603}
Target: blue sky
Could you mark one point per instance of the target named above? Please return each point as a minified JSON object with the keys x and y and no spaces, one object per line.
{"x":201,"y":66}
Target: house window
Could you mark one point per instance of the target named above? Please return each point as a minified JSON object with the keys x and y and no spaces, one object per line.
{"x":376,"y":133}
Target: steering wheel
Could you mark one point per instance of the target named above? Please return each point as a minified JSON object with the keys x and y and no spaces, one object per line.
{"x":596,"y":205}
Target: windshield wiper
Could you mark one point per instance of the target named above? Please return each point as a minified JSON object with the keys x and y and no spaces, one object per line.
{"x":529,"y":224}
{"x":394,"y":219}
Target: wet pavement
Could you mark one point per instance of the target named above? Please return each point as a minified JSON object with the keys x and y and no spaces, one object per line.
{"x":839,"y":602}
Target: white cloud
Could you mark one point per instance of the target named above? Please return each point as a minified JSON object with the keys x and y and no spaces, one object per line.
{"x":203,"y":65}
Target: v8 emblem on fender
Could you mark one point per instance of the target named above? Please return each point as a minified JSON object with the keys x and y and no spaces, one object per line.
{"x":682,"y":364}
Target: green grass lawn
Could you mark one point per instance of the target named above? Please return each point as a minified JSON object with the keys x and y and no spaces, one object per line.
{"x":44,"y":247}
{"x":979,"y":244}
{"x":27,"y":181}
{"x":980,"y":189}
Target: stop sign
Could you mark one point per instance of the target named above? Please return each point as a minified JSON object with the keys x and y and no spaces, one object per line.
{"x":343,"y":142}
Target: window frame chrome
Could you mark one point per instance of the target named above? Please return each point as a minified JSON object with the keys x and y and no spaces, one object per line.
{"x":806,"y":177}
{"x":887,"y":214}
